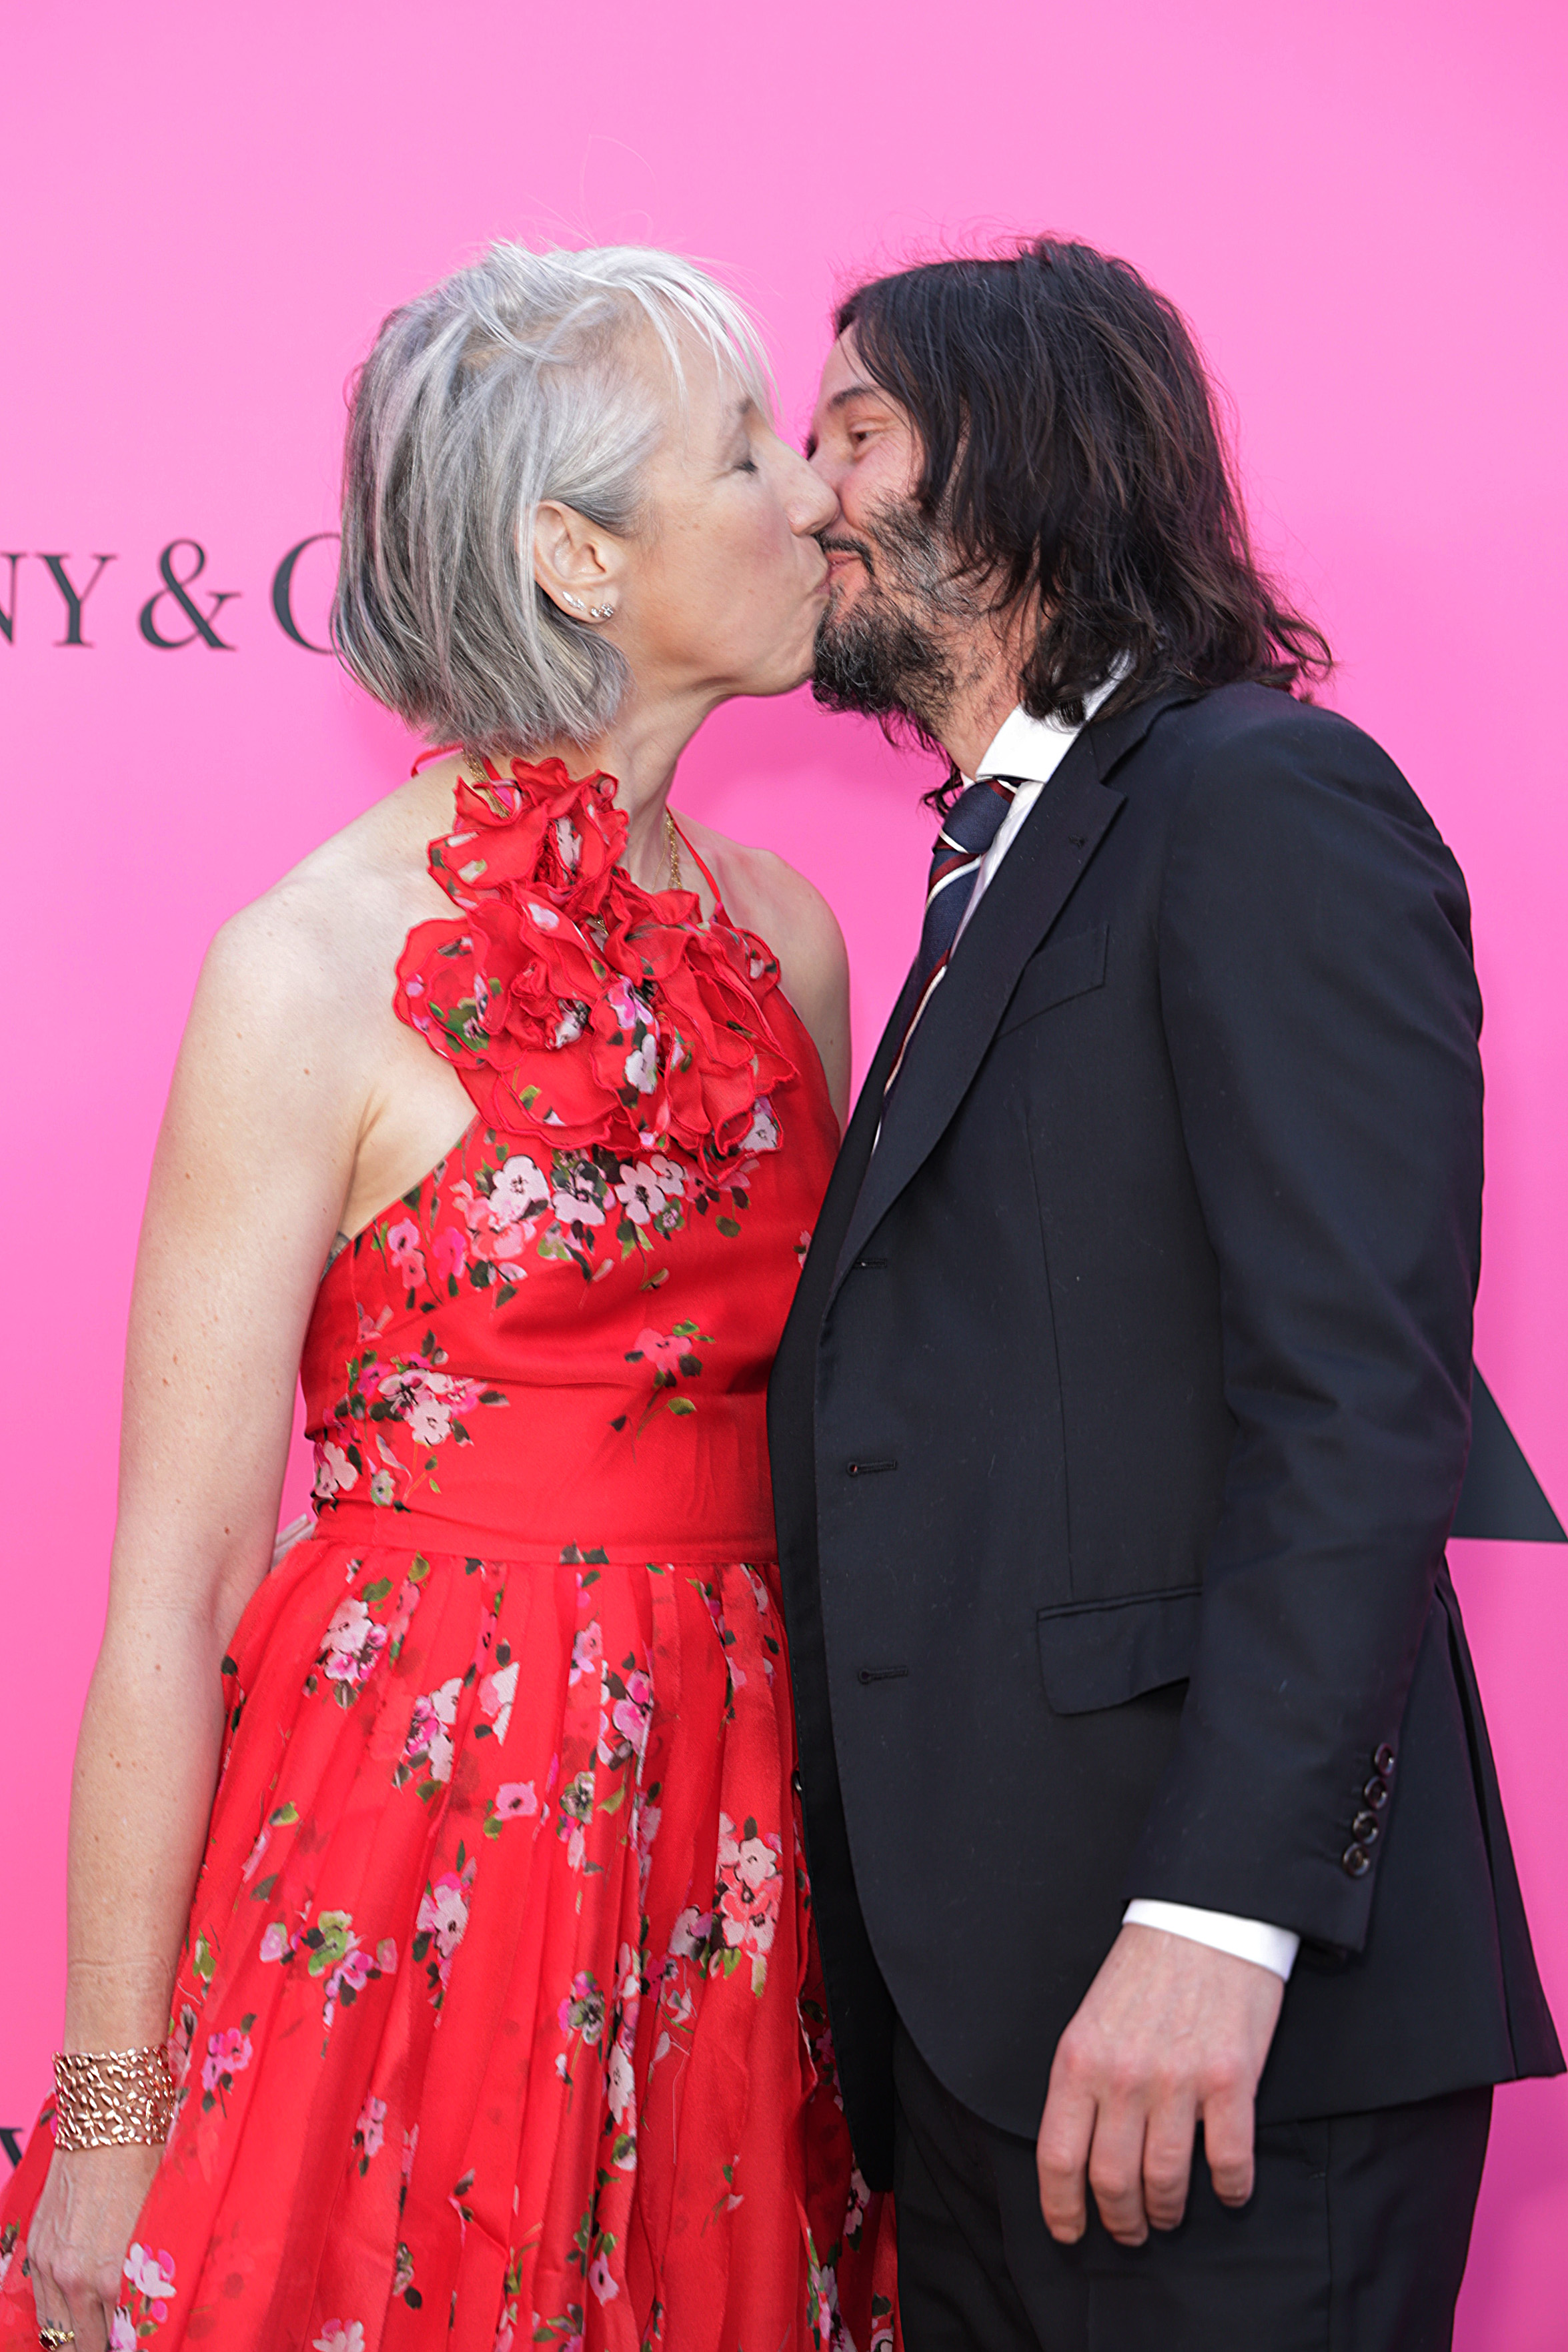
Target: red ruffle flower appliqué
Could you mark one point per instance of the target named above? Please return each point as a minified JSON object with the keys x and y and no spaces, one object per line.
{"x":572,"y":1000}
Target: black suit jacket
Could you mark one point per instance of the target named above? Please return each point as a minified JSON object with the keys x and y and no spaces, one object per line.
{"x":1118,"y":1427}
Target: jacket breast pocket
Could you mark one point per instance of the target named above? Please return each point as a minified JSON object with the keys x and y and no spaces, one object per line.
{"x":1062,"y":969}
{"x":1095,"y":1653}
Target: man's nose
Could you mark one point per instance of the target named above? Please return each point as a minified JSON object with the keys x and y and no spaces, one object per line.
{"x":827,"y":508}
{"x":824,"y":466}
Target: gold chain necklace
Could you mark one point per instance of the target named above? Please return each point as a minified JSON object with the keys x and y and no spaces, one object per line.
{"x":673,"y":844}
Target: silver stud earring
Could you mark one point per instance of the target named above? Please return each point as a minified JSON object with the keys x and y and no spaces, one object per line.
{"x":575,"y":602}
{"x":602,"y":612}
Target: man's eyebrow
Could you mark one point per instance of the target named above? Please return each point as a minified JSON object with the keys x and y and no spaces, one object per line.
{"x":841,"y":399}
{"x":855,"y":392}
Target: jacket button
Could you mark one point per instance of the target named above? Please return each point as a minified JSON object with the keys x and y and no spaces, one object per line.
{"x":1365,"y":1828}
{"x":1356,"y":1861}
{"x":1384,"y":1760}
{"x":1376,"y":1794}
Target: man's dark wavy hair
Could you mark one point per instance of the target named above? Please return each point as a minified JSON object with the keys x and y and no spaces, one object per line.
{"x":1072,"y":446}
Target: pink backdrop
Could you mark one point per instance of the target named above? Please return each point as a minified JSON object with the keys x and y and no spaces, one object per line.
{"x":207,"y":211}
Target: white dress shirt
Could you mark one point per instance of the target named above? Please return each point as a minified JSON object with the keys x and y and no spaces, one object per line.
{"x":1033,"y":749}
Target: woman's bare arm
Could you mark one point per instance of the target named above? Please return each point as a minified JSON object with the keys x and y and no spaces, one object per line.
{"x":251,"y":1165}
{"x":253,"y":1162}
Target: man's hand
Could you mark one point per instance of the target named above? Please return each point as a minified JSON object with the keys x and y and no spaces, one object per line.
{"x":1170,"y":2034}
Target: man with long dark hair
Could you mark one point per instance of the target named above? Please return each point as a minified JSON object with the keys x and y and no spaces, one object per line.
{"x":1172,"y":1934}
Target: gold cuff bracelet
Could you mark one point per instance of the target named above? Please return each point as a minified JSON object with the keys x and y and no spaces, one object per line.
{"x":114,"y":2098}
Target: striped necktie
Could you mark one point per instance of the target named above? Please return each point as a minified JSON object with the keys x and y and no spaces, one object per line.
{"x":969,"y":829}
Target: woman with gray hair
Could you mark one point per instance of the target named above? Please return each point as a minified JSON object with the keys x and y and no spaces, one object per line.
{"x":461,"y":1848}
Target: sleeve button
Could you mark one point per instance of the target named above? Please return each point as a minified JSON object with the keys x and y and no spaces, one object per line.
{"x":1364,"y":1829}
{"x":1384,"y":1760}
{"x":1356,"y":1861}
{"x":1376,"y":1794}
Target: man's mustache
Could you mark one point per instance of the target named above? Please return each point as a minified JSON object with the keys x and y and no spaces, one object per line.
{"x":850,"y":547}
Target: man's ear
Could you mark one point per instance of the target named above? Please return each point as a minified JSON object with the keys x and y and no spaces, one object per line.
{"x":579,"y":564}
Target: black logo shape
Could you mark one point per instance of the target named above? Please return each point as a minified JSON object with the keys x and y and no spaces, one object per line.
{"x":1502,"y":1497}
{"x":74,"y":598}
{"x":283,"y":593}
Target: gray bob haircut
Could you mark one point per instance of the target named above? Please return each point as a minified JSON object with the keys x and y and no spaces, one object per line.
{"x":514,"y":381}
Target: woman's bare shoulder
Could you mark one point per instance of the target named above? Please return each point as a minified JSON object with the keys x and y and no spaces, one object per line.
{"x":763,"y":893}
{"x":295,"y":1027}
{"x":324,"y":939}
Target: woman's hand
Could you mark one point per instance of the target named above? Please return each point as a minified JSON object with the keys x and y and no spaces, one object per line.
{"x":83,"y":2224}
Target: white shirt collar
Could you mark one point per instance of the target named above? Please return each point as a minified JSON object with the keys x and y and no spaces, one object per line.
{"x":1033,"y":749}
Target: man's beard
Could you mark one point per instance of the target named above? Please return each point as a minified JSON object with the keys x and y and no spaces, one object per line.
{"x":881,"y":657}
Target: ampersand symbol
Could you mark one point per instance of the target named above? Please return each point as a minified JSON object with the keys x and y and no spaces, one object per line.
{"x":178,"y":584}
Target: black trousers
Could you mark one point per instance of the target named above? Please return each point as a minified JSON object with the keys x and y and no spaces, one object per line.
{"x":1354,"y":2239}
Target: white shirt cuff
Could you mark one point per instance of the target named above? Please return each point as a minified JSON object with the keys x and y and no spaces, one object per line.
{"x":1244,"y":1939}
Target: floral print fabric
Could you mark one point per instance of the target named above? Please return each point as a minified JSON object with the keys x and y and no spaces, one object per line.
{"x":602,"y":1012}
{"x":500,"y":2020}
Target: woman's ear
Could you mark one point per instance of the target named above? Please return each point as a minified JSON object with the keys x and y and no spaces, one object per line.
{"x":579,"y":565}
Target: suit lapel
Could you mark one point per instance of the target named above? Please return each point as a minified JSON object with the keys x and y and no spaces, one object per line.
{"x":1034,"y":883}
{"x":849,"y":1167}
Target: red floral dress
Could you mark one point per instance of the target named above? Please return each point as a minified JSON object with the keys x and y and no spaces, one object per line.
{"x":500,"y":2020}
